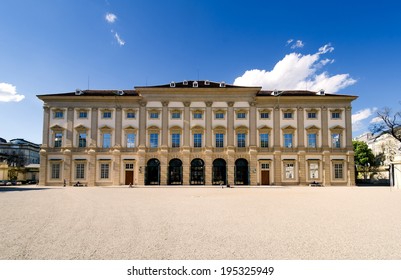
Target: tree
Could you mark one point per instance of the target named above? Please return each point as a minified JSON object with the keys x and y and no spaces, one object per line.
{"x":389,"y":123}
{"x":364,"y":158}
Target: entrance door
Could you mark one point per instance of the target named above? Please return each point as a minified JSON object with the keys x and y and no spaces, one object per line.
{"x":219,"y":172}
{"x":175,"y":172}
{"x":241,"y":172}
{"x":197,"y":172}
{"x":152,"y":173}
{"x":129,"y":177}
{"x":265,"y":177}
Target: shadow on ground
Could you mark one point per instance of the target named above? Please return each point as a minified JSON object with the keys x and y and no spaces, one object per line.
{"x":20,"y":189}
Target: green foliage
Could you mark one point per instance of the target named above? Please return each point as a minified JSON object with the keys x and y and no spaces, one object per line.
{"x":363,"y":154}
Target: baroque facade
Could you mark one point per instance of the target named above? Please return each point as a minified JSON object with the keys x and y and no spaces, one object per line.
{"x":197,"y":133}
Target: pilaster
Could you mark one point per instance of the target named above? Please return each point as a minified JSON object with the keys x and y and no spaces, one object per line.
{"x":94,"y":127}
{"x":300,"y":127}
{"x":118,"y":126}
{"x":187,"y":114}
{"x":277,"y":168}
{"x":209,"y":134}
{"x":252,"y":124}
{"x":142,"y":125}
{"x":70,"y":127}
{"x":165,"y":118}
{"x":325,"y":127}
{"x":92,"y":168}
{"x":326,"y":168}
{"x":230,"y":124}
{"x":116,"y":174}
{"x":302,"y":168}
{"x":46,"y":122}
{"x":43,"y":168}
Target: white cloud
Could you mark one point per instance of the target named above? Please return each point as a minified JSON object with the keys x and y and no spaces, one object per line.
{"x":376,"y":120}
{"x":298,"y":44}
{"x":8,"y":93}
{"x":297,"y":71}
{"x":120,"y":41}
{"x":110,"y":18}
{"x":360,"y":116}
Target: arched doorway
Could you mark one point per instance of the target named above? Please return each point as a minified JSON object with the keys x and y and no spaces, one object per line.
{"x":241,"y":172}
{"x":219,"y":172}
{"x":197,"y":172}
{"x":152,"y":173}
{"x":175,"y":172}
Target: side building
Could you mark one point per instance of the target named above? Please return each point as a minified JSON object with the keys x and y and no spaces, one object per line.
{"x":197,"y":133}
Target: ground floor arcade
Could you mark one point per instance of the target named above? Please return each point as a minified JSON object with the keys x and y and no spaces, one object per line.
{"x":116,"y":167}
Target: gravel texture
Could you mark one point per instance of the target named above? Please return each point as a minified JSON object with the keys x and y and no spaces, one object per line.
{"x":200,"y":223}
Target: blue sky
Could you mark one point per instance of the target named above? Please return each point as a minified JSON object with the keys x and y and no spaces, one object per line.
{"x":348,"y":47}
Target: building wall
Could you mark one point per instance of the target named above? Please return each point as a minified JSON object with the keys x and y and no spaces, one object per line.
{"x":275,"y":164}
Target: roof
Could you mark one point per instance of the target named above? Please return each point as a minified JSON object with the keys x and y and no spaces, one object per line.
{"x":95,"y":92}
{"x":196,"y":84}
{"x":296,"y":93}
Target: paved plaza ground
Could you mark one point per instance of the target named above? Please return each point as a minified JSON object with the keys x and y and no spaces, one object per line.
{"x":200,"y":223}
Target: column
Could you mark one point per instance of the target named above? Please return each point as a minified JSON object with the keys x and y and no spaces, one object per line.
{"x":276,"y":128}
{"x":165,"y":118}
{"x":46,"y":123}
{"x":230,"y":124}
{"x":252,"y":124}
{"x":92,"y":168}
{"x":187,"y":128}
{"x":43,"y":168}
{"x":70,"y":127}
{"x":325,"y":128}
{"x":209,"y":134}
{"x":348,"y":128}
{"x":142,"y":125}
{"x":118,"y":126}
{"x":301,"y":128}
{"x":94,"y":127}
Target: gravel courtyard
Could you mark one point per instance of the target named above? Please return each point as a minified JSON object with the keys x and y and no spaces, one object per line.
{"x":200,"y":223}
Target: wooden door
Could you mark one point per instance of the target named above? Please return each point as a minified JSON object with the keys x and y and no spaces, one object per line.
{"x":265,"y":177}
{"x":129,"y":177}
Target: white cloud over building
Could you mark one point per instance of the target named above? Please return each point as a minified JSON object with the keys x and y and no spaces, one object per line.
{"x":8,"y":93}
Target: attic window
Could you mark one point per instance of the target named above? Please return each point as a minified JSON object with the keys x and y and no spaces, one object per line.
{"x":222,"y":84}
{"x":207,"y":83}
{"x":195,"y":84}
{"x":172,"y":84}
{"x":185,"y":83}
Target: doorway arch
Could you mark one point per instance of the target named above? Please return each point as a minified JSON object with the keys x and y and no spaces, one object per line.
{"x":175,"y":172}
{"x":197,"y":172}
{"x":219,"y":172}
{"x":152,"y":173}
{"x":241,"y":172}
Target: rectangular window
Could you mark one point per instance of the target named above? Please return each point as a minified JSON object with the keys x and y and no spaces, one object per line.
{"x":312,"y":138}
{"x":336,"y":115}
{"x":131,"y":115}
{"x":241,"y":115}
{"x":80,"y":171}
{"x":104,"y":170}
{"x":175,"y":140}
{"x":219,"y":140}
{"x":83,"y":115}
{"x":313,"y":171}
{"x":338,"y":171}
{"x":56,"y":171}
{"x":264,"y":140}
{"x":289,"y":170}
{"x":287,"y":115}
{"x":198,"y":115}
{"x":198,"y":140}
{"x":336,"y":140}
{"x":154,"y":140}
{"x":154,"y":115}
{"x":58,"y":114}
{"x":241,"y":139}
{"x":58,"y":139}
{"x":176,"y":115}
{"x":106,"y":140}
{"x":264,"y":115}
{"x":265,"y":166}
{"x":82,"y":140}
{"x":130,"y":140}
{"x":288,"y":140}
{"x":129,"y":166}
{"x":106,"y":115}
{"x":311,"y":115}
{"x":219,"y":115}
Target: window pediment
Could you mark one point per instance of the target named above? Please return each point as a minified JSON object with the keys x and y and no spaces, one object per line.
{"x":337,"y":128}
{"x":264,"y":128}
{"x":312,"y":128}
{"x":57,"y":128}
{"x":81,"y":128}
{"x":288,"y":128}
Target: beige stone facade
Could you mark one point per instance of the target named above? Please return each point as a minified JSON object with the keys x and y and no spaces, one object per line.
{"x":197,"y":133}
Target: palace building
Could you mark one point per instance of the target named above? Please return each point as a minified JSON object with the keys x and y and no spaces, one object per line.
{"x":197,"y":133}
